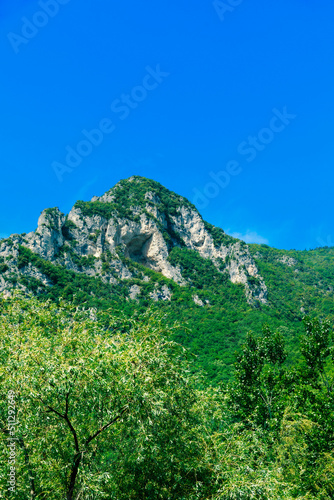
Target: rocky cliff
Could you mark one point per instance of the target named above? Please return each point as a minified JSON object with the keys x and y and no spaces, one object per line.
{"x":136,"y":222}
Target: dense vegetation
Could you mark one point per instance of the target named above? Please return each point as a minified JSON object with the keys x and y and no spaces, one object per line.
{"x":306,"y":284}
{"x":127,"y":194}
{"x":206,"y":396}
{"x":214,"y":312}
{"x":106,"y":407}
{"x":216,"y":330}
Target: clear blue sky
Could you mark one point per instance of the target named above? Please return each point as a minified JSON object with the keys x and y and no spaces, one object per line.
{"x":198,"y":85}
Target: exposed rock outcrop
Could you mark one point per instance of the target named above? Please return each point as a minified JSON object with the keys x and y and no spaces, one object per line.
{"x":137,"y":223}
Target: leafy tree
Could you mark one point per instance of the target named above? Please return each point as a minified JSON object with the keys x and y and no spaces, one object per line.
{"x":259,"y":377}
{"x":106,"y":408}
{"x":316,"y":347}
{"x":104,"y":405}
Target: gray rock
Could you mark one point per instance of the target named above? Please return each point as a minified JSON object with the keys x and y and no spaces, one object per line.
{"x":115,"y":242}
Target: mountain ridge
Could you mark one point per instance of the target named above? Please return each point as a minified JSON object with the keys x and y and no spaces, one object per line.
{"x":144,"y":224}
{"x":140,"y":245}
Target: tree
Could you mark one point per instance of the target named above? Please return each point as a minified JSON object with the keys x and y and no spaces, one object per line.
{"x":103,"y":404}
{"x":104,"y":407}
{"x":259,"y":377}
{"x":316,"y":347}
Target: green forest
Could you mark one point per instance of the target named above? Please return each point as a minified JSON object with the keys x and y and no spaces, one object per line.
{"x":214,"y":332}
{"x":187,"y":390}
{"x":103,"y":405}
{"x":167,"y":250}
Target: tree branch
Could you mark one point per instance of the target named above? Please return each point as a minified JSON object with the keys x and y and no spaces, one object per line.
{"x":106,"y":425}
{"x":67,"y":420}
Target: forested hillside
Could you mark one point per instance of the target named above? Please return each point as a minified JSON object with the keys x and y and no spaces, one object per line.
{"x":145,"y":354}
{"x":141,"y":245}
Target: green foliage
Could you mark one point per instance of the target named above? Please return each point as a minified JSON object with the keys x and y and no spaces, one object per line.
{"x":73,"y":286}
{"x":51,"y":211}
{"x":94,"y":236}
{"x":220,"y":326}
{"x":52,"y":216}
{"x":217,"y":329}
{"x":106,"y":408}
{"x":110,"y":405}
{"x":218,"y":235}
{"x":316,"y":344}
{"x":299,"y":283}
{"x":101,"y":209}
{"x":3,"y":266}
{"x":8,"y":241}
{"x":67,"y":229}
{"x":24,"y":258}
{"x":301,"y":287}
{"x":133,"y":192}
{"x":260,"y":378}
{"x":102,"y":412}
{"x":129,"y":194}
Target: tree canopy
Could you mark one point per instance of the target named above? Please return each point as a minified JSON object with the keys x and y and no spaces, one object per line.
{"x":103,"y":406}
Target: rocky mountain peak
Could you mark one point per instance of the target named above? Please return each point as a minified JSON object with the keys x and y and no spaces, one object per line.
{"x":132,"y":227}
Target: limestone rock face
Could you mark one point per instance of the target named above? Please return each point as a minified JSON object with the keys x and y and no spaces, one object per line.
{"x":134,"y":291}
{"x":289,"y":261}
{"x":198,"y":301}
{"x":240,"y":265}
{"x":161,"y":294}
{"x":48,"y":238}
{"x":140,"y":241}
{"x":132,"y":227}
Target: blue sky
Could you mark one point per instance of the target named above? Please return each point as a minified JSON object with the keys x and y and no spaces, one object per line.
{"x":230,"y":105}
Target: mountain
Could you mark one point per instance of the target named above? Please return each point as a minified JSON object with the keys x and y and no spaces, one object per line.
{"x":140,"y":244}
{"x":137,"y":220}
